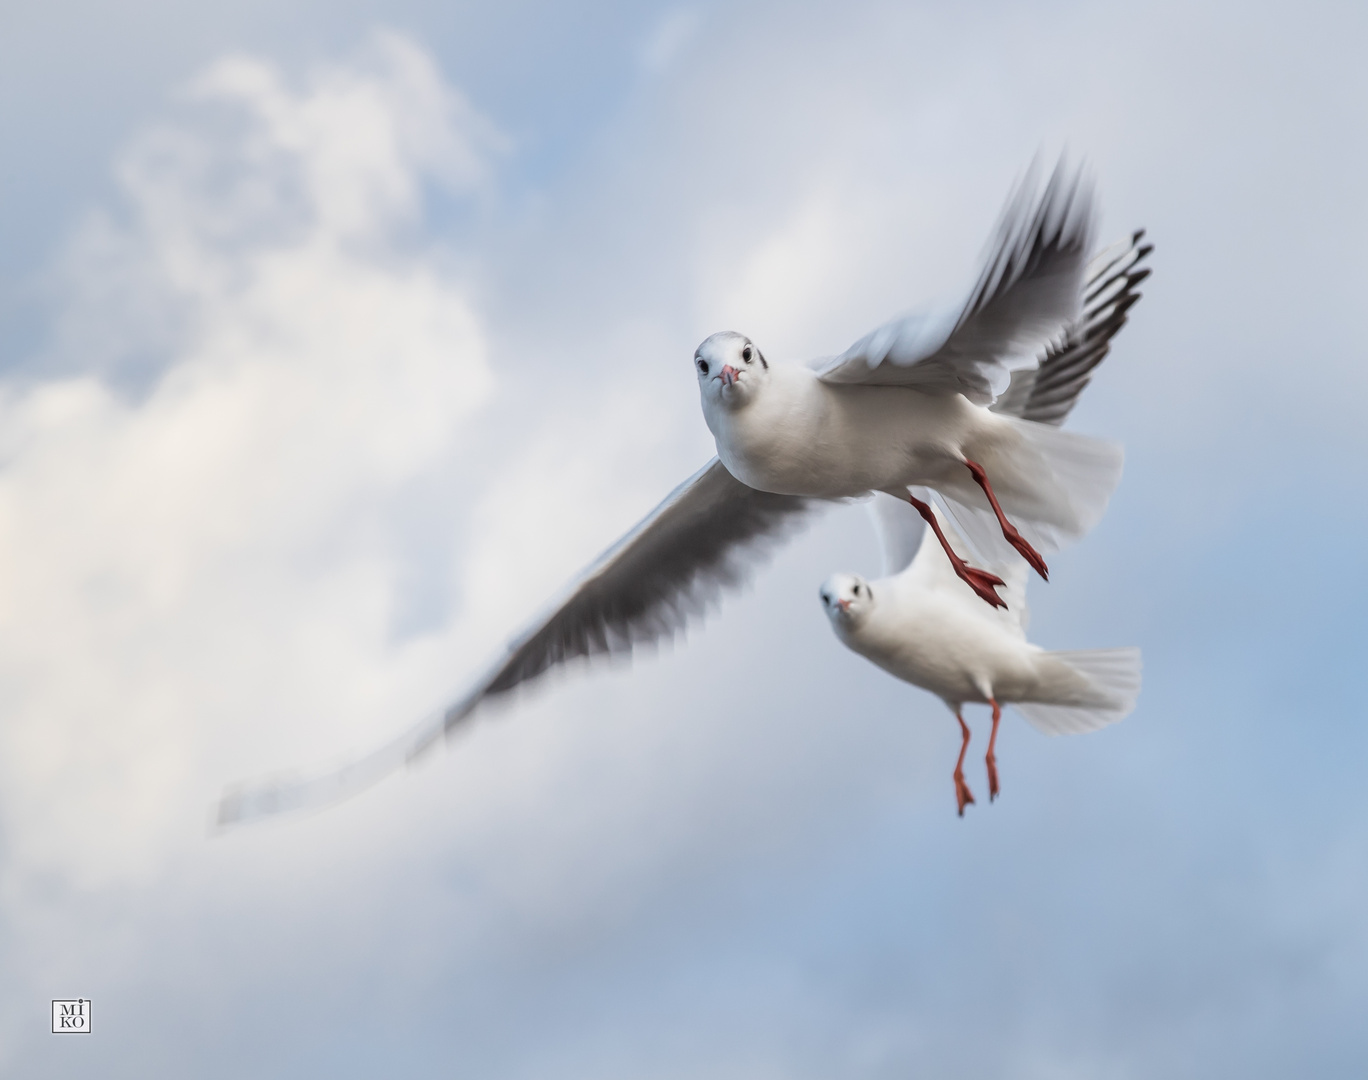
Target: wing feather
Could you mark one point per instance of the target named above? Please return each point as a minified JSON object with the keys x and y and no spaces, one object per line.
{"x":1028,"y":291}
{"x":1047,"y":393}
{"x":700,"y":541}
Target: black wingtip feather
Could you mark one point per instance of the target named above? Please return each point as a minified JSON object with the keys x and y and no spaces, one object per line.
{"x":1047,"y":394}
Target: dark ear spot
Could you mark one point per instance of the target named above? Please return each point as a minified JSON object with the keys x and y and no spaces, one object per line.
{"x":762,"y":359}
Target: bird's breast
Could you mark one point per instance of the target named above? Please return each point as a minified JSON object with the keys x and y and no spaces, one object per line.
{"x":932,"y":643}
{"x":832,"y":442}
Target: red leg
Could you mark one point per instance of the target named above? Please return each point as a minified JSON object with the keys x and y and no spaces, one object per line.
{"x":991,"y":759}
{"x":1008,"y":529}
{"x":963,"y":796}
{"x":982,"y":582}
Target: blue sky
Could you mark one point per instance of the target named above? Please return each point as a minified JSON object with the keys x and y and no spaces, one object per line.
{"x":336,"y":337}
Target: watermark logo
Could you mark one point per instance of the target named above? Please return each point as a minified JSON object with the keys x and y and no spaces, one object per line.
{"x":71,"y":1017}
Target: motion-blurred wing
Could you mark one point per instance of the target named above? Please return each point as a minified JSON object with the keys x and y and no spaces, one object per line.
{"x":1028,"y":292}
{"x":700,"y":541}
{"x":1047,"y":393}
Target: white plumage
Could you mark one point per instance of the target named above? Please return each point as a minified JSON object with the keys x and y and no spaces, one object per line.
{"x":924,"y":625}
{"x":907,"y":405}
{"x":903,"y":405}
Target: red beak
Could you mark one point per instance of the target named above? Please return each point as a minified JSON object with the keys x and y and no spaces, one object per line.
{"x":844,"y":605}
{"x":728,"y":374}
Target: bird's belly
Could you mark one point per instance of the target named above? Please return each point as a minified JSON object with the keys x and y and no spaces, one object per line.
{"x":932,"y":668}
{"x":882,"y":440}
{"x":802,"y":470}
{"x":956,"y":660}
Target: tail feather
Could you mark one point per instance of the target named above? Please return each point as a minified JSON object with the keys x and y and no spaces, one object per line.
{"x":1087,"y":690}
{"x":1054,"y":487}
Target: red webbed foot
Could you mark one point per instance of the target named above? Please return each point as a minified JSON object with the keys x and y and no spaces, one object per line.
{"x":982,"y":582}
{"x":1026,"y":551}
{"x":1009,"y":531}
{"x":963,"y":796}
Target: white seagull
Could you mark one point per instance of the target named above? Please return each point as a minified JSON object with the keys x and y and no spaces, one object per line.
{"x":923,"y":625}
{"x":905,"y":405}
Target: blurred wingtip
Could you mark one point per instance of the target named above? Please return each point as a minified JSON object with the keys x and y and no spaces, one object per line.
{"x":291,"y":793}
{"x":250,"y":801}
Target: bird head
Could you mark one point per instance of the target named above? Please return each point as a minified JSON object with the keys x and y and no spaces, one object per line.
{"x":848,"y":600}
{"x":730,"y":369}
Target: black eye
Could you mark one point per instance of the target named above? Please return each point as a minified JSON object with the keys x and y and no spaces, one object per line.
{"x":703,"y":366}
{"x":746,"y":354}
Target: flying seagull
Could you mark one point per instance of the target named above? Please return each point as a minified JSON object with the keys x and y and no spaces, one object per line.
{"x":708,"y":533}
{"x":906,"y":405}
{"x":924,"y":626}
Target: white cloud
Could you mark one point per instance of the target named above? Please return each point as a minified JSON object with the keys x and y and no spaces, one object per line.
{"x":198,"y":554}
{"x":185,"y":566}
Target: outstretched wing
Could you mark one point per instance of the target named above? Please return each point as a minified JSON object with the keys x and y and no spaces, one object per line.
{"x":701,"y":540}
{"x":1047,"y":393}
{"x":1028,"y":292}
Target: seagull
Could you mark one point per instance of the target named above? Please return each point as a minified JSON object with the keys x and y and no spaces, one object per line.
{"x":922,"y":624}
{"x":711,"y":531}
{"x":907,"y":405}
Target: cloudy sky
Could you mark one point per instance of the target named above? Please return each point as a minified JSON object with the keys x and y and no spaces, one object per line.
{"x":335,"y":337}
